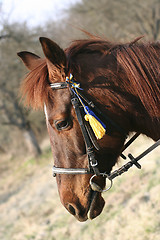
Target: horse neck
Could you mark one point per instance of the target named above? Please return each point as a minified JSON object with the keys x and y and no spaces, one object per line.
{"x":144,"y":123}
{"x":138,"y":118}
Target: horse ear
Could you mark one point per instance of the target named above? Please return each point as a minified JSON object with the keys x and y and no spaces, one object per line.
{"x":29,"y":59}
{"x":53,"y":52}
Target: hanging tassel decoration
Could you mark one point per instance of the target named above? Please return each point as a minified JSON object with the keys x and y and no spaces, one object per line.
{"x":98,"y":127}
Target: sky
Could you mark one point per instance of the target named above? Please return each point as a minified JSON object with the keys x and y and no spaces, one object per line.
{"x":35,"y":12}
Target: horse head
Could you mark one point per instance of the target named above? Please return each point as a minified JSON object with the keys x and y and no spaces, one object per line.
{"x":93,"y":69}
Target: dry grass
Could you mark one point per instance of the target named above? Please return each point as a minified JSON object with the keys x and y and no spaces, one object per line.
{"x":30,"y":207}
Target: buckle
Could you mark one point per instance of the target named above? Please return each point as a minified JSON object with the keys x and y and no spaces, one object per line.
{"x":94,"y":163}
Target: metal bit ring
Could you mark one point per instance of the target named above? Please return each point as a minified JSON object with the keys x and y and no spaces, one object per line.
{"x":96,"y":187}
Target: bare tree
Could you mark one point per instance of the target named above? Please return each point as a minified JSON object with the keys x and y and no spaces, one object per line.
{"x":118,"y":19}
{"x":13,"y":114}
{"x":149,"y":20}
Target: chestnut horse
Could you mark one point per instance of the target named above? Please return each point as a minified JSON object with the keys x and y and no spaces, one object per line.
{"x":122,"y":80}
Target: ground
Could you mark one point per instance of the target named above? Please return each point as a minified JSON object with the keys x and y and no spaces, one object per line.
{"x":30,"y":207}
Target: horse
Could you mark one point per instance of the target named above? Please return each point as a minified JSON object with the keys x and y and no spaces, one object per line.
{"x":121,"y":80}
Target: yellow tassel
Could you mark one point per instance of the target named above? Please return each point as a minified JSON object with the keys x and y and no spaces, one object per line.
{"x":97,"y":127}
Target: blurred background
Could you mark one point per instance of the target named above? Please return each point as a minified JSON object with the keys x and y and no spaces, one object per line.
{"x":29,"y":202}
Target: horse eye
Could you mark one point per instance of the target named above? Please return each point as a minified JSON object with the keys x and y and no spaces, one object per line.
{"x":61,"y":124}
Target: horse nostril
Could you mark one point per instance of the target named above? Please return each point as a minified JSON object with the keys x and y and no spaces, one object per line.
{"x":71,"y":209}
{"x":77,"y":211}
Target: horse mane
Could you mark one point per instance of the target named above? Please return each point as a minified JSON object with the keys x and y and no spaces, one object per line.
{"x":138,"y":61}
{"x":35,"y":89}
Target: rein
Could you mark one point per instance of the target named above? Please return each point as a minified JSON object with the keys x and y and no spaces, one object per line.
{"x":90,"y":139}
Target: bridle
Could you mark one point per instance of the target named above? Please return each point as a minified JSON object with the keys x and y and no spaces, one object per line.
{"x":91,"y":142}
